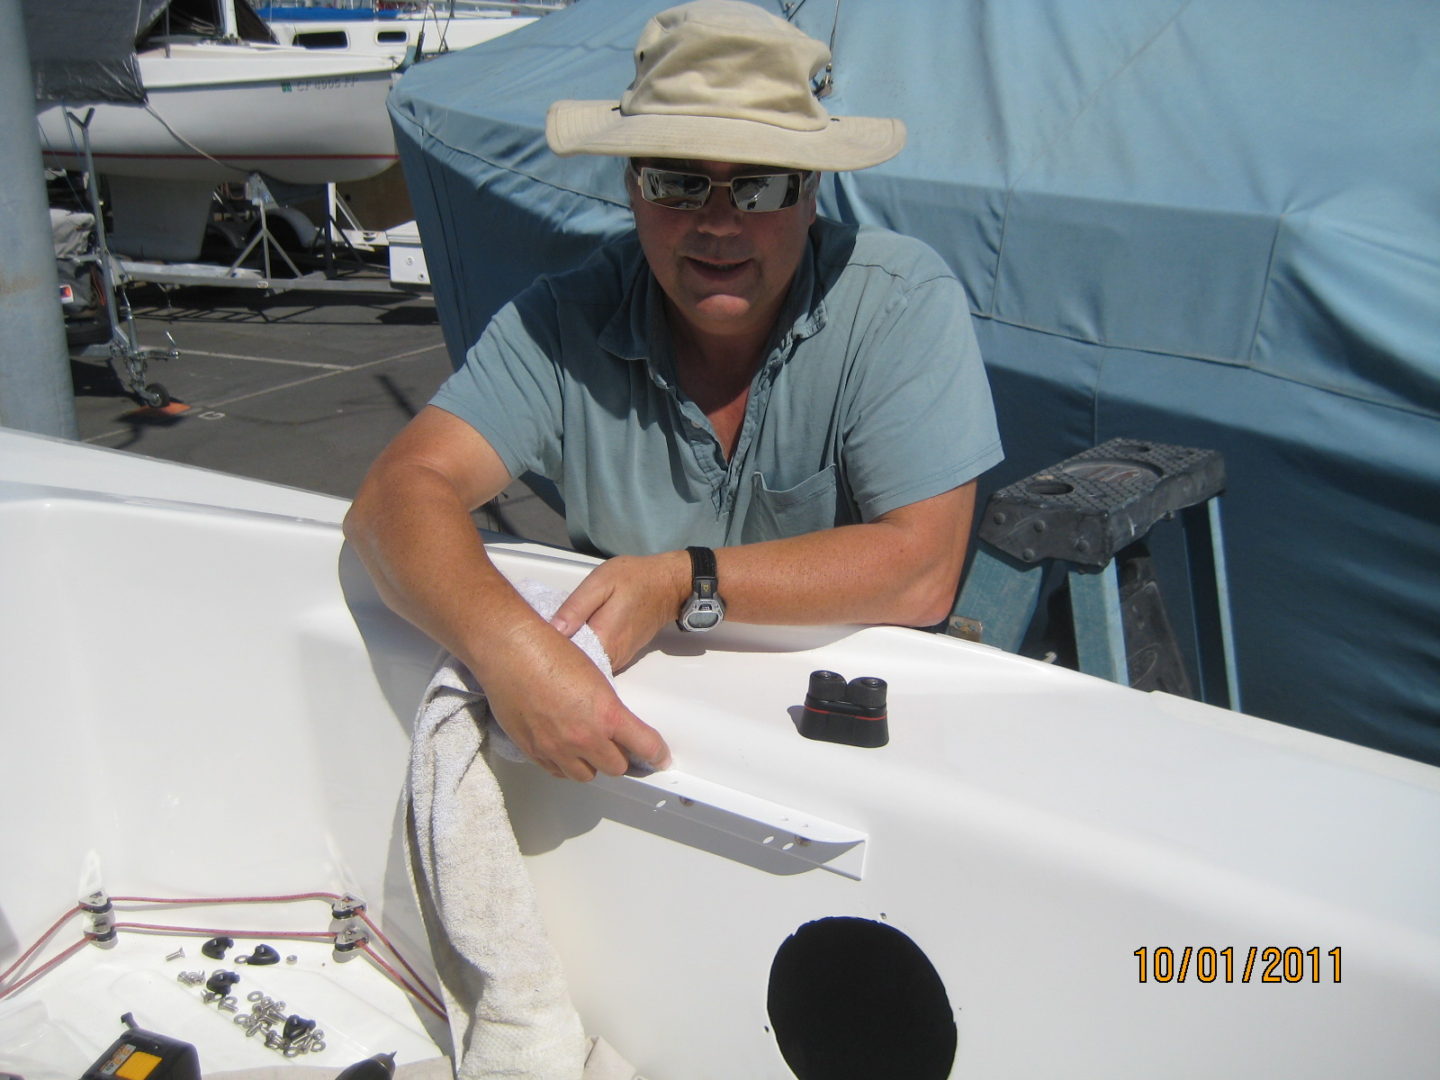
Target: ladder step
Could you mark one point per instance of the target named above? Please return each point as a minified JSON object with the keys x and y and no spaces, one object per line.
{"x":1088,"y":507}
{"x":1082,"y":513}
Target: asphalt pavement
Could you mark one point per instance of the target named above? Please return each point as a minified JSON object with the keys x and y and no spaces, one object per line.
{"x":297,"y":388}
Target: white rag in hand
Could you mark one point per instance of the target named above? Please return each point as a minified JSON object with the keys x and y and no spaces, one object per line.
{"x":509,"y":1009}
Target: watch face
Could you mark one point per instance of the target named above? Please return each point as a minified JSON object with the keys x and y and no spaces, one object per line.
{"x":702,"y":620}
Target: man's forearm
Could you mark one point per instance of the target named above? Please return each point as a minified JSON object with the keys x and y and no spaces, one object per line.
{"x":416,"y":538}
{"x":427,"y":561}
{"x":902,"y":569}
{"x":853,"y":574}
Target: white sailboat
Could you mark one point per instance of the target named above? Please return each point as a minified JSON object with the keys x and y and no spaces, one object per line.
{"x":219,"y":108}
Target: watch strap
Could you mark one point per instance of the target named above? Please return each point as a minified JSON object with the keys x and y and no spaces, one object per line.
{"x":703,"y":609}
{"x":702,"y":565}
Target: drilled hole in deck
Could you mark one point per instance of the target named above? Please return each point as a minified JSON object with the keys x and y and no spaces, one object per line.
{"x":851,"y":999}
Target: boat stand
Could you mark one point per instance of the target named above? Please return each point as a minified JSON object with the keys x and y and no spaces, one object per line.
{"x":129,"y":360}
{"x":336,"y":209}
{"x":1082,"y":514}
{"x":259,"y":197}
{"x":338,"y":230}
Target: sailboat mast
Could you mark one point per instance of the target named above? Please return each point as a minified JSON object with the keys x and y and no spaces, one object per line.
{"x":229,"y":24}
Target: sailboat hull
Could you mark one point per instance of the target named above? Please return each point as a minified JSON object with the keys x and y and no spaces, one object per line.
{"x":218,"y":112}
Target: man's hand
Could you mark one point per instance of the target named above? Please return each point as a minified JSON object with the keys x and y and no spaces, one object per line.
{"x":627,"y":600}
{"x":563,"y":714}
{"x":410,"y":525}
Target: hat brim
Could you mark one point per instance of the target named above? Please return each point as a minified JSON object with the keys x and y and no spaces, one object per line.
{"x":599,"y":127}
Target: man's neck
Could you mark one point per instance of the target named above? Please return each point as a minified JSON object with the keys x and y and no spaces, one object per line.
{"x":725,"y":360}
{"x":715,"y":372}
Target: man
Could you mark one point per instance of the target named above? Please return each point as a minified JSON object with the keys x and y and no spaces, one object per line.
{"x":737,"y":375}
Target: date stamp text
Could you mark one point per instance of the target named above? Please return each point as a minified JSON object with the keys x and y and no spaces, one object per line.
{"x":1256,"y":963}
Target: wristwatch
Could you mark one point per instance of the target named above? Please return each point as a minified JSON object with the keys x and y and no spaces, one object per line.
{"x":704,"y":610}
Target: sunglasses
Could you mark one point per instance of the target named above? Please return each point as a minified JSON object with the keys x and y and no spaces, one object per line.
{"x":759,"y":194}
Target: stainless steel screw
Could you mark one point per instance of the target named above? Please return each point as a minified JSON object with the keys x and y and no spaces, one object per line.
{"x":298,"y":1046}
{"x":252,"y":1024}
{"x":273,"y":1011}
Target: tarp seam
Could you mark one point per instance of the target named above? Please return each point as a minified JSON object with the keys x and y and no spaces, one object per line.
{"x":1000,"y":249}
{"x":1095,"y":94}
{"x":498,"y":167}
{"x":1414,"y":410}
{"x":1044,"y":151}
{"x":1265,"y":288}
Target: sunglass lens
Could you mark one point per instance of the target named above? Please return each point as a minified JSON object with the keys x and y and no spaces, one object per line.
{"x":677,"y":190}
{"x":762,"y":194}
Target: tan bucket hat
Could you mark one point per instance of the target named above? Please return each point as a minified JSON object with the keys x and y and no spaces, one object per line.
{"x":723,"y":80}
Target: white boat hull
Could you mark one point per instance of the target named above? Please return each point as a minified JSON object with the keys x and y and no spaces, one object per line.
{"x":218,"y":112}
{"x":202,"y":693}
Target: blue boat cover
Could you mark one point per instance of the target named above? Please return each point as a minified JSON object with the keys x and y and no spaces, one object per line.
{"x":1207,"y":222}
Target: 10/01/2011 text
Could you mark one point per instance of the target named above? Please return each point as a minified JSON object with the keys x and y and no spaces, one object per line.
{"x":1207,"y":964}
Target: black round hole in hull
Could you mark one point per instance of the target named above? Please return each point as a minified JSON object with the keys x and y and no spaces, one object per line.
{"x":853,"y":999}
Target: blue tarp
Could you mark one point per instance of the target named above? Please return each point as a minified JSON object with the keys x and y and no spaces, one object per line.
{"x":1206,"y":222}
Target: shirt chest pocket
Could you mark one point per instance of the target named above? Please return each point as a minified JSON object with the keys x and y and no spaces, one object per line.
{"x":806,"y":507}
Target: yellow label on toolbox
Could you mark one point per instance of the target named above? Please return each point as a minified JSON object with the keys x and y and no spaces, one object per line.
{"x":137,"y":1066}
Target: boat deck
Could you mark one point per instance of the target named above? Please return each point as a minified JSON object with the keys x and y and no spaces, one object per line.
{"x":297,"y":388}
{"x":1026,"y":835}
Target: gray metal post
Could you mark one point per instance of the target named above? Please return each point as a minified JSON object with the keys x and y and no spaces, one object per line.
{"x":35,"y":389}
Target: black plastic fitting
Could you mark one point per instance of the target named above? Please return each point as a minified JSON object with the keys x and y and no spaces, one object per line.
{"x":221,"y":981}
{"x":262,"y":956}
{"x":853,"y":713}
{"x":216,"y":947}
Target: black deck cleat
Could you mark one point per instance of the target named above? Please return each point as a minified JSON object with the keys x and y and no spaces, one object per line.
{"x":853,"y":713}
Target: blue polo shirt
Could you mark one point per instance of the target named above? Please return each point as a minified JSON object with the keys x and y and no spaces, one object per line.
{"x":872,"y":396}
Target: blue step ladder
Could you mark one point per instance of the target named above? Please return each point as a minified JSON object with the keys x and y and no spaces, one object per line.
{"x":1082,"y":513}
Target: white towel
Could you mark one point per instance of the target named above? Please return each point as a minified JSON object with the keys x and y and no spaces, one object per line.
{"x":509,"y":1009}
